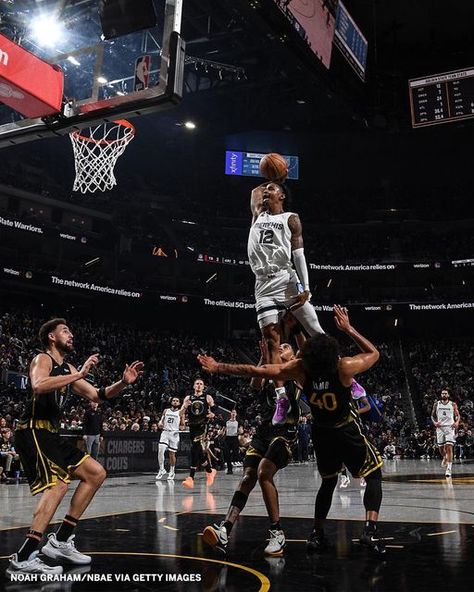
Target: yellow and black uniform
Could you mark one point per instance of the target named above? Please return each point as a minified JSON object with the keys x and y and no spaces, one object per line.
{"x":276,"y":443}
{"x":45,"y":456}
{"x":197,"y":418}
{"x":336,"y":433}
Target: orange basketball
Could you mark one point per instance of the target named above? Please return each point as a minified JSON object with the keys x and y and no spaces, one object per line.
{"x":273,"y":166}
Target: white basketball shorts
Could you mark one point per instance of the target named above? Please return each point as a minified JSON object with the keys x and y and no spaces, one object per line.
{"x":275,"y":293}
{"x":170,"y":439}
{"x":445,"y":435}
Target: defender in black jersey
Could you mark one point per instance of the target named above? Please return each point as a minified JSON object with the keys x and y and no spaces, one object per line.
{"x":198,"y":408}
{"x":51,"y":462}
{"x":269,"y":451}
{"x":326,"y":380}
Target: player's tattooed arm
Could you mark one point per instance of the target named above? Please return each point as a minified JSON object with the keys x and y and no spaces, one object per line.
{"x":294,"y":224}
{"x":256,"y":201}
{"x":289,"y":371}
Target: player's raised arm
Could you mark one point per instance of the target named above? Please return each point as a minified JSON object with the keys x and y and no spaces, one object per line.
{"x":350,"y":366}
{"x":85,"y":389}
{"x":42,"y":382}
{"x":256,"y":201}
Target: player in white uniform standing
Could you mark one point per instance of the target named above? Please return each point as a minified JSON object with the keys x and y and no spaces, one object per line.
{"x":170,"y":423}
{"x":275,"y":239}
{"x":445,"y":417}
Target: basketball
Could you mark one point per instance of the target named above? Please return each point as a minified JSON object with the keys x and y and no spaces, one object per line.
{"x":273,"y":166}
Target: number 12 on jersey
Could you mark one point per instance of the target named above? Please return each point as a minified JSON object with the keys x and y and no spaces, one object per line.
{"x":266,"y":237}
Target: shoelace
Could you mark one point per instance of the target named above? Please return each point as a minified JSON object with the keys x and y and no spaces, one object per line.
{"x":275,"y":534}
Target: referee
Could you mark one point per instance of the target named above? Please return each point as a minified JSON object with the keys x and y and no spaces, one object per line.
{"x":92,"y":429}
{"x":231,"y":440}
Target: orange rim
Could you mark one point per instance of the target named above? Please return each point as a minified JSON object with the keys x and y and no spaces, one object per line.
{"x":121,"y":122}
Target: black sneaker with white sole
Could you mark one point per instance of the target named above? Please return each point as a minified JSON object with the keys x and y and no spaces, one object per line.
{"x":372,"y":542}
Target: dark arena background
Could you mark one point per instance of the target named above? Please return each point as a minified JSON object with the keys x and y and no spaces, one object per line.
{"x":372,"y":105}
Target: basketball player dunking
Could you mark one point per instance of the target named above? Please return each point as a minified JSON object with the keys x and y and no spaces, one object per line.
{"x":275,"y":238}
{"x":50,"y":462}
{"x":171,"y":422}
{"x":445,"y":417}
{"x":198,"y":407}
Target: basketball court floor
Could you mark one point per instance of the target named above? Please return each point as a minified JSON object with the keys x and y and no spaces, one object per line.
{"x":150,"y":533}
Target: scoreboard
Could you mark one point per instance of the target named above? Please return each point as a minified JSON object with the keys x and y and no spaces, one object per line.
{"x":351,"y":41}
{"x":442,"y":98}
{"x":246,"y":164}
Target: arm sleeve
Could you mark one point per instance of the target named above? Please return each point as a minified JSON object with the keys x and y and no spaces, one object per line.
{"x":301,"y":267}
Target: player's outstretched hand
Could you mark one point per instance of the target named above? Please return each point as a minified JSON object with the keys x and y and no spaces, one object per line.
{"x":208,"y":364}
{"x":341,"y":318}
{"x":88,"y":364}
{"x":132,"y":372}
{"x":300,"y":300}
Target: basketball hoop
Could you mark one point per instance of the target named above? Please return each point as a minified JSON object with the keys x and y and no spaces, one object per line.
{"x":96,"y":151}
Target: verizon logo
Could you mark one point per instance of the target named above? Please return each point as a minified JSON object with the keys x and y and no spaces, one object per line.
{"x":3,"y":57}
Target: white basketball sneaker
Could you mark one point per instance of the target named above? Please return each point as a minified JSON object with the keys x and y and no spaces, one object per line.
{"x":64,"y":550}
{"x":160,"y":474}
{"x":216,"y":537}
{"x":33,"y":565}
{"x":171,"y":475}
{"x":276,"y":544}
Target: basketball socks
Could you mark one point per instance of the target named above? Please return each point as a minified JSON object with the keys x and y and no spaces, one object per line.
{"x":30,"y":545}
{"x":281,"y":392}
{"x":275,"y":525}
{"x":161,"y":456}
{"x":192,"y":472}
{"x":228,"y":526}
{"x":67,"y":528}
{"x":370,"y":526}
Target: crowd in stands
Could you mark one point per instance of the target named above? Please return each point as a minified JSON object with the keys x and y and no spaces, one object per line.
{"x":171,"y":368}
{"x":407,"y":242}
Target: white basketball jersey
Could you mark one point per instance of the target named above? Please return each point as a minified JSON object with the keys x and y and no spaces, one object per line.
{"x":171,"y":420}
{"x":445,"y":413}
{"x":269,"y":244}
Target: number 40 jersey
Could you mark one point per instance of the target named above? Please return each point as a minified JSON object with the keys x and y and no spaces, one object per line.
{"x":329,"y":401}
{"x":269,"y":244}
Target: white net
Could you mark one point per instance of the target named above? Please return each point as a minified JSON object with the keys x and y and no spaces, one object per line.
{"x":96,"y":151}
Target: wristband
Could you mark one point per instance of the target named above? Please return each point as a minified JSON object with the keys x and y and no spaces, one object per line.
{"x":301,"y":268}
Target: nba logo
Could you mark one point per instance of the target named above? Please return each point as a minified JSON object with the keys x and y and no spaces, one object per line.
{"x":142,"y":72}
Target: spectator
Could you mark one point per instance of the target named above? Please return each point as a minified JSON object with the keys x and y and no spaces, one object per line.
{"x":92,"y":429}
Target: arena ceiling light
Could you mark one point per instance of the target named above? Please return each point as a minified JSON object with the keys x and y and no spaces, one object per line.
{"x":189,"y":125}
{"x":46,"y":30}
{"x":73,"y":61}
